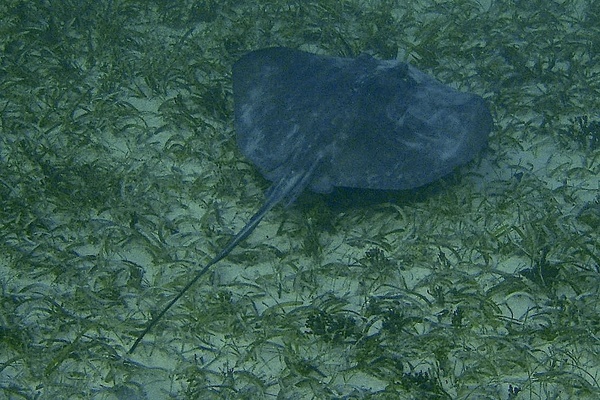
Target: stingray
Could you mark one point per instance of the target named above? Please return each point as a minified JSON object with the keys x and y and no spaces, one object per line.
{"x":320,"y":122}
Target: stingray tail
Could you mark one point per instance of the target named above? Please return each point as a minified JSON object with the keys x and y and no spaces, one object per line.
{"x":288,"y":188}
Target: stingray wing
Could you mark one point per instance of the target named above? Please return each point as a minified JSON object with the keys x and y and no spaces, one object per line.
{"x":372,"y":124}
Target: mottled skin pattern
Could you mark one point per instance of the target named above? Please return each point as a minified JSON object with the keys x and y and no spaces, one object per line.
{"x":367,"y":123}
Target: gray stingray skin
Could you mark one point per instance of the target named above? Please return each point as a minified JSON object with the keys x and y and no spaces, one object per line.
{"x":321,"y":122}
{"x":361,"y":123}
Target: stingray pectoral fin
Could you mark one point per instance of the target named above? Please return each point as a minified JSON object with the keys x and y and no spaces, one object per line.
{"x":377,"y":124}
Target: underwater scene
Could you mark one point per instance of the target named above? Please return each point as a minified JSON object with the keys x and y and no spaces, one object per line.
{"x":122,"y":177}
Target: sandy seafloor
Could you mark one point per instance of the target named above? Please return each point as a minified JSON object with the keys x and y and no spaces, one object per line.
{"x":120,"y":177}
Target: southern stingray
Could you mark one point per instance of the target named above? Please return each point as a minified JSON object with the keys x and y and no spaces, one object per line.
{"x":318,"y":122}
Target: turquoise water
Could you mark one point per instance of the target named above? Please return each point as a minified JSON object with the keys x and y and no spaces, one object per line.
{"x":120,"y":176}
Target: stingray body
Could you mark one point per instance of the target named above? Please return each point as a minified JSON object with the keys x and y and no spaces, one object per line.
{"x":318,"y":122}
